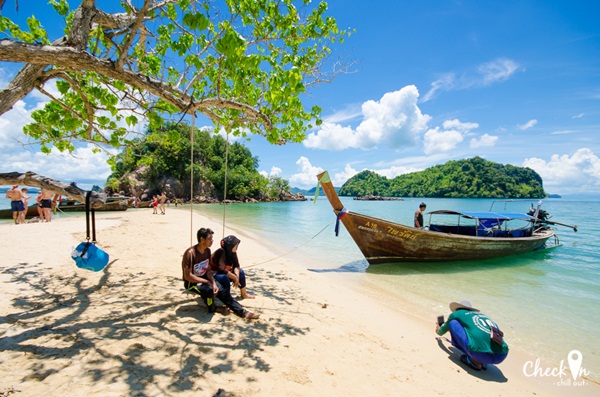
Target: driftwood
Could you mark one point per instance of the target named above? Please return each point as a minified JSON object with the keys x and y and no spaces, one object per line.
{"x":72,"y":191}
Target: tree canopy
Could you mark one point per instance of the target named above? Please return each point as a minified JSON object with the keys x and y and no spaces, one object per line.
{"x":244,"y":64}
{"x":475,"y":178}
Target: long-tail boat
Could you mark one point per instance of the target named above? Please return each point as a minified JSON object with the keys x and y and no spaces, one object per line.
{"x":470,"y":236}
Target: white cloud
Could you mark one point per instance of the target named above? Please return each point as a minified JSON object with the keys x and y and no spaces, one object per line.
{"x":331,"y":137}
{"x":485,"y":140}
{"x":527,"y":125}
{"x":307,"y":177}
{"x":395,"y":120}
{"x":563,"y":132}
{"x":341,"y":177}
{"x":394,"y":171}
{"x":18,"y":154}
{"x":349,"y":113}
{"x":579,"y":116}
{"x":500,"y":69}
{"x":579,"y":173}
{"x":83,"y":167}
{"x":275,"y":171}
{"x":438,"y":140}
{"x":456,"y":124}
{"x":497,"y":70}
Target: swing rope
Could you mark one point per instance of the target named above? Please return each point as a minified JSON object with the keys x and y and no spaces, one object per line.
{"x":192,"y":177}
{"x":225,"y":184}
{"x":192,"y":128}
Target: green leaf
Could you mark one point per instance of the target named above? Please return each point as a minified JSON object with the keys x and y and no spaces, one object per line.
{"x":62,"y":86}
{"x":131,"y":120}
{"x":62,"y":6}
{"x":195,"y":21}
{"x":231,"y":44}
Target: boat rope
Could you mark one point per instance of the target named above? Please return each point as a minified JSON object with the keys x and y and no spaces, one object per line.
{"x":290,"y":251}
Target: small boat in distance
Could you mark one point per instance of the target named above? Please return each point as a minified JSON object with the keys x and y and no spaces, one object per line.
{"x":456,"y":235}
{"x":75,"y":206}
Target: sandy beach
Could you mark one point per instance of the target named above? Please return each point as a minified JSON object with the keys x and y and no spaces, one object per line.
{"x":131,"y":330}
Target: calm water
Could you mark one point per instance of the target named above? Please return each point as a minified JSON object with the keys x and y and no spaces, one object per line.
{"x":546,"y":302}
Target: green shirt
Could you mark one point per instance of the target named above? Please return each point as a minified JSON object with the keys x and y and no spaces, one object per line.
{"x":477,"y":326}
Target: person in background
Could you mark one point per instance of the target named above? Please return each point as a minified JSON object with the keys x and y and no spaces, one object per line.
{"x":419,"y":215}
{"x":227,"y":266}
{"x":161,"y":199}
{"x":475,"y":335}
{"x":40,"y":211}
{"x":46,"y":201}
{"x":25,"y":198}
{"x":198,"y":278}
{"x":154,"y":205}
{"x":16,"y":203}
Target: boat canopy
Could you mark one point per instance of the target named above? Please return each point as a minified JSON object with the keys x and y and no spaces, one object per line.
{"x":486,"y":219}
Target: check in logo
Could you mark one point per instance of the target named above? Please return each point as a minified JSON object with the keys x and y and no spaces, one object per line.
{"x":575,"y":360}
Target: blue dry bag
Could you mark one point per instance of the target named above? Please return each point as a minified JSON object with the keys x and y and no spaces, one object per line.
{"x":88,"y":256}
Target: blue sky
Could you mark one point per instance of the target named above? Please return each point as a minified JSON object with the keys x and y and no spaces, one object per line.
{"x":515,"y":82}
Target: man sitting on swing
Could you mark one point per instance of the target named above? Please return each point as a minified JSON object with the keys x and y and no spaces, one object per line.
{"x":198,"y":278}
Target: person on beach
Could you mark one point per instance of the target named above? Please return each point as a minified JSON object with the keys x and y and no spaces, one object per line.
{"x":46,"y":201}
{"x":16,"y":203}
{"x":40,"y":211}
{"x":419,"y":216}
{"x":25,"y":198}
{"x":475,"y":335}
{"x":227,"y":266}
{"x":154,"y":205}
{"x":161,"y":199}
{"x":198,"y":278}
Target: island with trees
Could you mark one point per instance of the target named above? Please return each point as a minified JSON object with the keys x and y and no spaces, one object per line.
{"x":222,"y":170}
{"x":473,"y":178}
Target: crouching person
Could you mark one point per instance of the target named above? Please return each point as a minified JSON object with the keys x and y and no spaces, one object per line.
{"x":197,"y":277}
{"x":475,"y":335}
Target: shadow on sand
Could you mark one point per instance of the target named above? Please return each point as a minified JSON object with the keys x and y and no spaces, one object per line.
{"x":124,"y":326}
{"x":492,"y":374}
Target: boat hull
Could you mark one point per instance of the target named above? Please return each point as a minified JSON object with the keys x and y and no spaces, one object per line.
{"x":382,"y":241}
{"x":116,"y":206}
{"x":31,"y":212}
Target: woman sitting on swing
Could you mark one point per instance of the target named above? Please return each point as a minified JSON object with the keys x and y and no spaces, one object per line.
{"x":227,"y":266}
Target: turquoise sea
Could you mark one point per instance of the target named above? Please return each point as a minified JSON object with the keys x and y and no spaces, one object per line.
{"x":547,"y":303}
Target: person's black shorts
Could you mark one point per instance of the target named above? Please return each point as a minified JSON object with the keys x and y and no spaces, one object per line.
{"x":47,"y":203}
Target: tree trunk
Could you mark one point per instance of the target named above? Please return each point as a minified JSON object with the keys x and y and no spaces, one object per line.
{"x":34,"y":180}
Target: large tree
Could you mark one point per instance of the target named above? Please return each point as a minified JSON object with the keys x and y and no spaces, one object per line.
{"x":245,"y":64}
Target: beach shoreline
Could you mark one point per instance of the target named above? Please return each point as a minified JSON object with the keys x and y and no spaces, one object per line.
{"x":131,"y":330}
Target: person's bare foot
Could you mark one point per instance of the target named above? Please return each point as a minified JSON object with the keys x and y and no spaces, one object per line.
{"x":248,"y":296}
{"x":251,"y":316}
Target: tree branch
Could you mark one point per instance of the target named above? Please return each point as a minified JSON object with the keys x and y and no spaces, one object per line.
{"x":70,"y":58}
{"x":137,"y":24}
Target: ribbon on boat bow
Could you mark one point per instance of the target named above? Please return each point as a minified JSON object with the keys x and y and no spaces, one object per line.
{"x":340,"y":215}
{"x":324,"y":178}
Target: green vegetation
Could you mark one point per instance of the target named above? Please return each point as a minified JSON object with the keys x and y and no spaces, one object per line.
{"x":163,"y":156}
{"x":475,"y":177}
{"x":246,"y":65}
